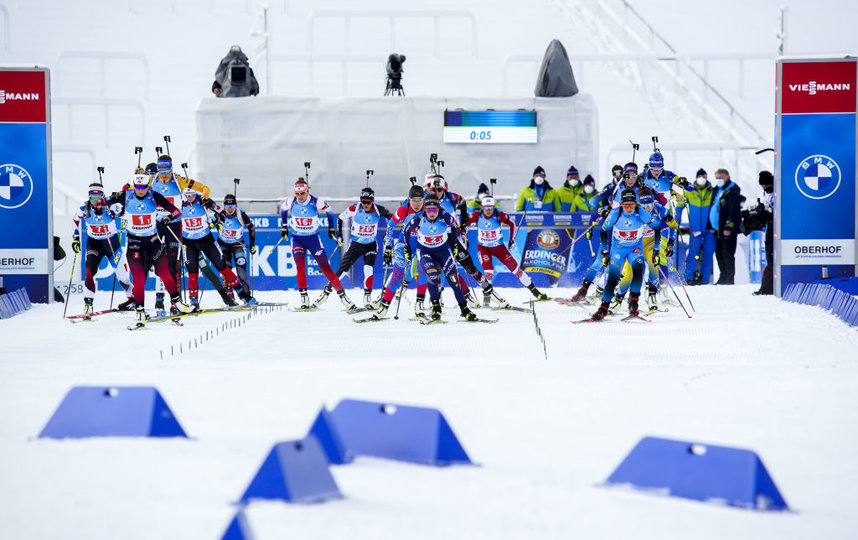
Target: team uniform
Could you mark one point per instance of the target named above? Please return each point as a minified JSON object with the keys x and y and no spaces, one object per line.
{"x":301,"y":220}
{"x":490,"y":244}
{"x":364,"y":243}
{"x":437,"y":240}
{"x":231,"y":231}
{"x":145,"y":248}
{"x":394,"y":248}
{"x":654,"y":234}
{"x":197,"y":239}
{"x":102,"y":240}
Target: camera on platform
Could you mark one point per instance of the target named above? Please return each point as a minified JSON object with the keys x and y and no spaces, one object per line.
{"x":394,"y":75}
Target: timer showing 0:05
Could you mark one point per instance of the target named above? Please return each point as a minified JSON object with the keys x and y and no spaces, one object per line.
{"x":481,"y":135}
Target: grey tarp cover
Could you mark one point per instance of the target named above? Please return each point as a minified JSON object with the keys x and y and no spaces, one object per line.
{"x":555,"y":77}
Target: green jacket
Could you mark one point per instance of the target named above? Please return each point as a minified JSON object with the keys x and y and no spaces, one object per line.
{"x":567,"y":195}
{"x":528,"y":197}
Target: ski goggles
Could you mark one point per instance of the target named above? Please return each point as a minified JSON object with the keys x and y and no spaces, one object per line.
{"x":656,"y":169}
{"x":301,"y":188}
{"x":230,"y":206}
{"x":165,"y":165}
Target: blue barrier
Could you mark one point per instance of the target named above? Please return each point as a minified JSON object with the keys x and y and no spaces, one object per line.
{"x":238,"y":528}
{"x":827,"y":295}
{"x":295,"y":472}
{"x":717,"y":474}
{"x":414,"y":434}
{"x":325,"y":430}
{"x":120,"y":411}
{"x":14,"y":302}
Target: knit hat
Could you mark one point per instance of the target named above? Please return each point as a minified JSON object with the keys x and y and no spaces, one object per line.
{"x":539,"y":170}
{"x":701,"y":172}
{"x":767,"y":178}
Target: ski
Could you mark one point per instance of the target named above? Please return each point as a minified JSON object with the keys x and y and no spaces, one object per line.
{"x":268,"y":304}
{"x":356,"y":309}
{"x":433,"y":321}
{"x":632,"y":318}
{"x":479,"y":320}
{"x":91,"y":315}
{"x":536,"y":301}
{"x":512,"y":308}
{"x":169,"y":317}
{"x":136,"y":327}
{"x":589,"y":320}
{"x":656,"y":310}
{"x":305,"y":308}
{"x":420,"y":317}
{"x":372,"y":318}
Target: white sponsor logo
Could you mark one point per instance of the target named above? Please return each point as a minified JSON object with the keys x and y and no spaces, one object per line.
{"x":817,"y":177}
{"x":818,"y":251}
{"x":813,"y":87}
{"x":17,"y":96}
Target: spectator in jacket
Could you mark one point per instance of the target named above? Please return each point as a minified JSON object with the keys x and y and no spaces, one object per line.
{"x":539,"y":196}
{"x":477,"y":204}
{"x":701,"y":247}
{"x":569,"y":191}
{"x":767,"y":181}
{"x":725,"y":216}
{"x":233,"y":77}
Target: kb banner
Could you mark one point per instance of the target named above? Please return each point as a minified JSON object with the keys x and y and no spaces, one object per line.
{"x":26,"y":213}
{"x":815,"y":170}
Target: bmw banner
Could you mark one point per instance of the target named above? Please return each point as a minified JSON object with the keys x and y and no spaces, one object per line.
{"x":815,"y":170}
{"x":26,"y":256}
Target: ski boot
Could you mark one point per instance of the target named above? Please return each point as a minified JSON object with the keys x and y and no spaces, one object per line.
{"x":419,"y":307}
{"x":616,"y":303}
{"x":367,"y":300}
{"x":582,"y":292}
{"x":87,"y":308}
{"x":177,"y":307}
{"x":493,"y":293}
{"x":601,"y":312}
{"x":471,"y":298}
{"x":633,"y":303}
{"x":382,"y":311}
{"x":228,"y":297}
{"x":595,"y":297}
{"x":487,"y":298}
{"x":436,"y":310}
{"x":127,"y":305}
{"x":305,"y":300}
{"x":141,"y":317}
{"x":324,"y":296}
{"x":651,"y":299}
{"x":467,"y":314}
{"x":160,"y":311}
{"x":195,"y":305}
{"x":350,"y":307}
{"x":540,"y":296}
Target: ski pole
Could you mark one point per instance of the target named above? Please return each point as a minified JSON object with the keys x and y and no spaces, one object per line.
{"x":68,"y":289}
{"x":664,"y":277}
{"x":402,"y":287}
{"x":684,"y":289}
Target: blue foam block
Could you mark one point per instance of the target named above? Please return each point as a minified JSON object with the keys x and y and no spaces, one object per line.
{"x":326,"y":432}
{"x":415,"y":434}
{"x":295,"y":472}
{"x":720,"y":474}
{"x":118,"y":411}
{"x":238,"y":528}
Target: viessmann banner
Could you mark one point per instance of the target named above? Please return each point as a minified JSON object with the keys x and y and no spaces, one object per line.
{"x":815,"y":170}
{"x":26,"y":249}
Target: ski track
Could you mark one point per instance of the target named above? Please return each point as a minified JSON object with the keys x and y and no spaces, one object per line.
{"x":748,"y":372}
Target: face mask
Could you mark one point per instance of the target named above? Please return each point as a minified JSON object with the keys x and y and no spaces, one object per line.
{"x":539,"y":180}
{"x":589,"y":189}
{"x":719,"y":182}
{"x":574,"y":182}
{"x":700,"y":181}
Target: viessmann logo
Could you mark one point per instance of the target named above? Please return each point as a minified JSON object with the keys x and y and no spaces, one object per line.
{"x":18,"y":96}
{"x":813,"y":87}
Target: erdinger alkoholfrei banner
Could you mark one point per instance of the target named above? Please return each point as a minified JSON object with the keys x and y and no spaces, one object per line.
{"x":815,"y":170}
{"x":26,"y":214}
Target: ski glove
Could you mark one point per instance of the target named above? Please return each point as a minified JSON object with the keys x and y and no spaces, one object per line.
{"x":604,"y":211}
{"x":656,"y":258}
{"x":407,"y":251}
{"x":388,"y":255}
{"x":669,"y":249}
{"x":606,"y":257}
{"x":332,"y":232}
{"x":511,"y":243}
{"x":76,"y":245}
{"x":253,"y":250}
{"x":589,"y":233}
{"x":284,"y":233}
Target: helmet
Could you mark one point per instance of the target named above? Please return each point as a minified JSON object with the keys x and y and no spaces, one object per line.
{"x":628,"y":196}
{"x":656,"y":160}
{"x":488,"y":202}
{"x":140,"y":180}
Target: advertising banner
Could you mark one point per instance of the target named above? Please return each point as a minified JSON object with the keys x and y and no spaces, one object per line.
{"x":26,"y":255}
{"x":815,"y":171}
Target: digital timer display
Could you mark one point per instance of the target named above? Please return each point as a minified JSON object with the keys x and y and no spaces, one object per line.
{"x":490,"y":127}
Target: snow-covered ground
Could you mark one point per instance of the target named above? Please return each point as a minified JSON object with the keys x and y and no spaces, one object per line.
{"x":749,"y":372}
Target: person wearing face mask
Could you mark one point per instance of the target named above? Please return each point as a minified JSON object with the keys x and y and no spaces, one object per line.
{"x":701,"y":248}
{"x":569,"y":191}
{"x":539,"y":196}
{"x":767,"y":181}
{"x":725,"y":217}
{"x":588,"y":191}
{"x":476,"y":205}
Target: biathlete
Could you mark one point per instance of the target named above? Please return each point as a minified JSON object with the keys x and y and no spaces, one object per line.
{"x":301,"y":218}
{"x":232,"y":224}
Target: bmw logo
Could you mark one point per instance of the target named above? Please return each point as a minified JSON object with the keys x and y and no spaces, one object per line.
{"x":16,"y":186}
{"x":817,"y":177}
